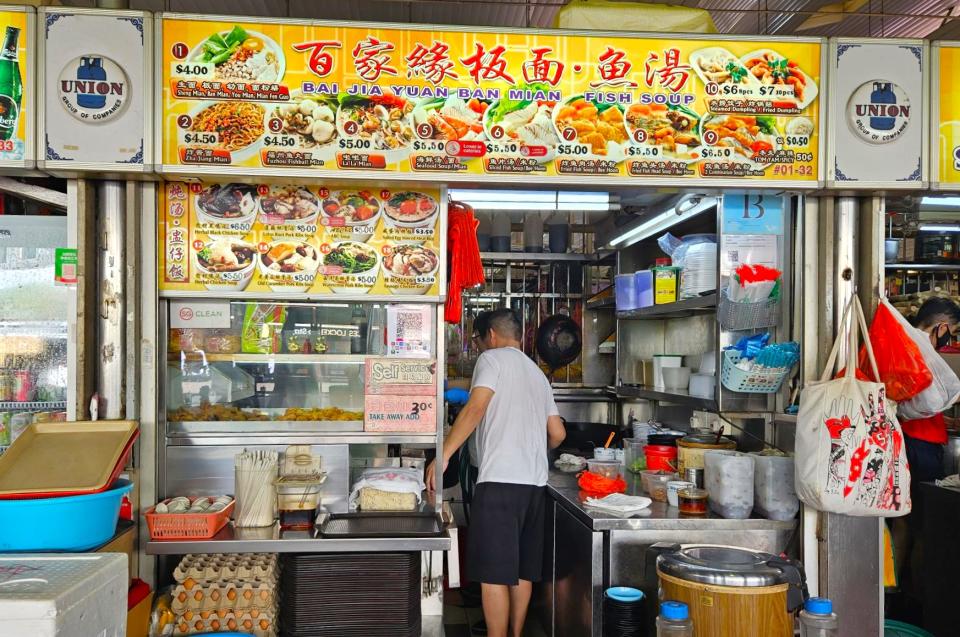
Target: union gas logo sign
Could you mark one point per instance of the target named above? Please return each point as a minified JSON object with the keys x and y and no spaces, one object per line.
{"x":93,"y":88}
{"x":879,"y":111}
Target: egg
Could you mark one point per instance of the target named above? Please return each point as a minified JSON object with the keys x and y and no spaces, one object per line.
{"x":198,"y":595}
{"x":264,"y":624}
{"x":189,"y":583}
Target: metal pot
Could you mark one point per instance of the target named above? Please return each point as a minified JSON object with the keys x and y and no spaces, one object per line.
{"x":732,"y":591}
{"x":558,"y":340}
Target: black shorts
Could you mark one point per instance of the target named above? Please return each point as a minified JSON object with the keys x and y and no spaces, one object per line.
{"x":505,"y":542}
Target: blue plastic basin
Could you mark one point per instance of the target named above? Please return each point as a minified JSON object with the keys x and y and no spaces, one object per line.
{"x":71,"y":523}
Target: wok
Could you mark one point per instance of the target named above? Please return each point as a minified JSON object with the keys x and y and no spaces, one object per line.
{"x":558,"y":341}
{"x":582,"y":437}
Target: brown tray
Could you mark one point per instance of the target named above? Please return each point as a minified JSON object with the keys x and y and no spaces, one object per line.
{"x":59,"y":459}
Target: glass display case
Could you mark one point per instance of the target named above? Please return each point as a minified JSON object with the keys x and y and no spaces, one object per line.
{"x":284,"y":363}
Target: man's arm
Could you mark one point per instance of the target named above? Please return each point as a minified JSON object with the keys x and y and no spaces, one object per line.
{"x":556,"y":432}
{"x":466,"y":422}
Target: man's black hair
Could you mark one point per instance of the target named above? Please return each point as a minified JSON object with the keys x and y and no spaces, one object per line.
{"x":936,"y":310}
{"x":481,"y":324}
{"x":505,"y":322}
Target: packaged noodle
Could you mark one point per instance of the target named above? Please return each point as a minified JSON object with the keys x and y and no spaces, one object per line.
{"x":262,"y":325}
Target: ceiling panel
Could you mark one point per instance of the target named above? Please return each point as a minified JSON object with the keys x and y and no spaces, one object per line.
{"x":780,"y":17}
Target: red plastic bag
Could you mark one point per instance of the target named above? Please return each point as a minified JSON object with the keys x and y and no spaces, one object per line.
{"x":899,"y":360}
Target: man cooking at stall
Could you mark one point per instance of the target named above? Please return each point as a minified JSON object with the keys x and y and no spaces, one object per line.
{"x":512,"y":408}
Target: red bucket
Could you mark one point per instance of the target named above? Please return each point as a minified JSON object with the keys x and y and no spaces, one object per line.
{"x":661,"y":458}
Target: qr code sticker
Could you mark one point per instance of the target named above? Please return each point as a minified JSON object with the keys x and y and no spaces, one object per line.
{"x":733,"y":256}
{"x":409,"y":326}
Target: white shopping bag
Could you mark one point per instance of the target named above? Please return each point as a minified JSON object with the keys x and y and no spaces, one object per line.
{"x":945,"y":388}
{"x":850,"y":455}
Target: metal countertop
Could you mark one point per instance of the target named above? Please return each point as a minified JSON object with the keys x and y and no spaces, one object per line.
{"x":659,"y":516}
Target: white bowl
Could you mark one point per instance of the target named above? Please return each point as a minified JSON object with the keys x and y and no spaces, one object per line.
{"x":243,"y":223}
{"x":310,"y":219}
{"x":351,"y":283}
{"x":268,"y":43}
{"x":234,"y":281}
{"x":428,"y":220}
{"x":289,"y":282}
{"x":360,"y":231}
{"x":411,"y":285}
{"x":238,"y":155}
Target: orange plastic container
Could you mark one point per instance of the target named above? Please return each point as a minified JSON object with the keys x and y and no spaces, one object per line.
{"x":186,"y":526}
{"x":661,"y":458}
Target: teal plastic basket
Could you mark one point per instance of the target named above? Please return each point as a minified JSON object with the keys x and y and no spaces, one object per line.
{"x":764,"y":380}
{"x":893,"y":628}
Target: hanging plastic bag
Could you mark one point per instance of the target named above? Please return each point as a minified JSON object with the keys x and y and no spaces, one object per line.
{"x":940,"y":394}
{"x":850,"y":453}
{"x":899,"y":360}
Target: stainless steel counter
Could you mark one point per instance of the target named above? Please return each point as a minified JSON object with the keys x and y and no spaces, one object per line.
{"x":588,"y":551}
{"x":659,"y":516}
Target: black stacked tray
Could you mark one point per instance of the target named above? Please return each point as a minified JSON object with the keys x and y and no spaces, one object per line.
{"x":623,"y":619}
{"x":350,"y":595}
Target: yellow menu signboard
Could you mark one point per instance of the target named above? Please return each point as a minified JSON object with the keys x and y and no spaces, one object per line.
{"x":243,"y":239}
{"x":947,"y":144}
{"x":309,"y":98}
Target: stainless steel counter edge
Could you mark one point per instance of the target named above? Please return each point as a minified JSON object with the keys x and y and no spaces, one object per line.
{"x":563,"y":488}
{"x":271,"y":540}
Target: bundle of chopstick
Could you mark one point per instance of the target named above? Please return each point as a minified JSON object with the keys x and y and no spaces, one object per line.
{"x":255,"y":472}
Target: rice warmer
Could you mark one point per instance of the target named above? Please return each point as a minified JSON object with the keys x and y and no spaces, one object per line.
{"x":732,"y":591}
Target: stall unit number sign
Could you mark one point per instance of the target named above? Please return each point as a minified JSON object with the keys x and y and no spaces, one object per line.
{"x":299,"y":97}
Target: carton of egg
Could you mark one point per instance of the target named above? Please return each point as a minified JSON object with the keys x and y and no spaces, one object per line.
{"x":202,"y":504}
{"x":262,"y":567}
{"x":227,"y":595}
{"x":253,"y":622}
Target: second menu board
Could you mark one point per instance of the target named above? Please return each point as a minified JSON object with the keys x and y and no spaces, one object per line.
{"x":293,"y":98}
{"x":243,"y":239}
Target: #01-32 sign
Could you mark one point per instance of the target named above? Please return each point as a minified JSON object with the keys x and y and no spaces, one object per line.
{"x":303,"y":99}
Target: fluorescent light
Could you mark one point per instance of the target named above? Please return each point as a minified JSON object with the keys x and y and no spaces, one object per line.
{"x":533,"y":200}
{"x":661,"y":221}
{"x":941,"y":202}
{"x":940,"y":227}
{"x":583,"y":197}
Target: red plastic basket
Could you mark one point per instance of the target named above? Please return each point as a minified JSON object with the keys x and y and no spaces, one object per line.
{"x":186,"y":526}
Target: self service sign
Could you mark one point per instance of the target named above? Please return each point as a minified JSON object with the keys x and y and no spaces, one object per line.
{"x":96,"y":87}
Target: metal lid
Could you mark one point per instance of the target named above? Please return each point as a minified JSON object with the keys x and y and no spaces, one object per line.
{"x":721,"y":566}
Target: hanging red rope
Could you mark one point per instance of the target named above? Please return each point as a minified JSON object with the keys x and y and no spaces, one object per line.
{"x":463,"y":253}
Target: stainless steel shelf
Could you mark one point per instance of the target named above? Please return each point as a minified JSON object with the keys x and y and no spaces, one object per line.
{"x":537,"y":257}
{"x":273,"y":540}
{"x":675,"y":396}
{"x":686,"y":307}
{"x":269,"y":358}
{"x":248,"y":435}
{"x":933,"y":267}
{"x":36,"y":404}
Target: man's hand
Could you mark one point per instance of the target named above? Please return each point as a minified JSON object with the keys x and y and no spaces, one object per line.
{"x":432,"y":473}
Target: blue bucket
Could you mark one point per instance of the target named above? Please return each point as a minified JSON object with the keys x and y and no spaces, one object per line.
{"x":71,"y":523}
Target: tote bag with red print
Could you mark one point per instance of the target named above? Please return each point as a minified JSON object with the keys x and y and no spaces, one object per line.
{"x":850,"y":455}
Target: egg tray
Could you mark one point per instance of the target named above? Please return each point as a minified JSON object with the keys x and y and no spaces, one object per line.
{"x":254,"y":622}
{"x":225,"y":595}
{"x":205,"y":567}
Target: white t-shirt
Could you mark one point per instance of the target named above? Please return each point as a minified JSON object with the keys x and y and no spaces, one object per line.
{"x":512,"y":437}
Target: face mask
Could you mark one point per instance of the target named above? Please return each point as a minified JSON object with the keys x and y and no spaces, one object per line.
{"x":943,"y":339}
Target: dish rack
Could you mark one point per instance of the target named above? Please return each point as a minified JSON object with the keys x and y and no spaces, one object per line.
{"x":736,"y":316}
{"x":186,"y":526}
{"x":763,"y":380}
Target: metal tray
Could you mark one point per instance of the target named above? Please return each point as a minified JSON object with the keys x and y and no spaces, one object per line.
{"x":61,"y":459}
{"x":374,"y":525}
